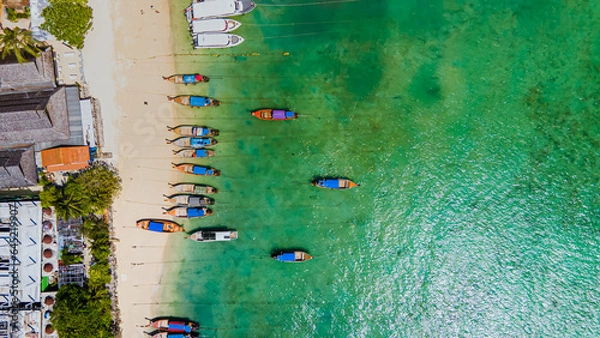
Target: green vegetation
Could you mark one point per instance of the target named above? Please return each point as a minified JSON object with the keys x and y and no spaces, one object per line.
{"x":68,"y":20}
{"x":14,"y":16}
{"x":18,"y":42}
{"x":86,"y":311}
{"x":90,"y":191}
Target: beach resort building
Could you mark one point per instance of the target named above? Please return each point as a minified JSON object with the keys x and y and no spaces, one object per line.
{"x":37,"y":114}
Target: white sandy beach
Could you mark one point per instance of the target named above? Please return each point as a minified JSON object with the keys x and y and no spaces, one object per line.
{"x":125,"y":55}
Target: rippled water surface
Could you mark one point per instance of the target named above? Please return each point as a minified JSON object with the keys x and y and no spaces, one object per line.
{"x":473,"y":129}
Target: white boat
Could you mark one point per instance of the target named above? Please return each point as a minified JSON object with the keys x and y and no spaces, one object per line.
{"x":213,"y":235}
{"x":213,"y":25}
{"x":215,"y":40}
{"x":208,"y":9}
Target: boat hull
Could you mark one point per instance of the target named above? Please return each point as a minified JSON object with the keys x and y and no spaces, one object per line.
{"x":274,"y":114}
{"x":173,"y":326}
{"x":193,"y":142}
{"x":292,"y":256}
{"x":193,"y":169}
{"x":216,"y":40}
{"x":188,"y":212}
{"x":194,"y":101}
{"x":213,"y":236}
{"x":190,"y":130}
{"x":157,"y":225}
{"x":187,"y":79}
{"x":334,"y":184}
{"x":191,"y":188}
{"x":194,"y":153}
{"x":189,"y":200}
{"x":220,"y":25}
{"x":198,"y":10}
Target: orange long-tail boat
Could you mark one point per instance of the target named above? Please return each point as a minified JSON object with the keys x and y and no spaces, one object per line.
{"x":159,"y":225}
{"x":274,"y":114}
{"x":194,"y":169}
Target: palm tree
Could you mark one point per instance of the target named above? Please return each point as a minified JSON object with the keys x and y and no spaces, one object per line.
{"x":18,"y":42}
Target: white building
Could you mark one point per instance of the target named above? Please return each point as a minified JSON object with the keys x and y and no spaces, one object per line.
{"x":20,"y":269}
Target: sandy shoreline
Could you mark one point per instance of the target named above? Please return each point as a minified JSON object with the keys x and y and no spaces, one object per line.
{"x":125,"y":55}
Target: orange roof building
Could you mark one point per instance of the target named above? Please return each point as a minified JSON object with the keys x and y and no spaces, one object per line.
{"x":66,"y":158}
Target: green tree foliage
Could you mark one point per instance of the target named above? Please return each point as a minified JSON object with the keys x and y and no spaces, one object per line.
{"x":100,"y":184}
{"x":18,"y":42}
{"x":68,"y":20}
{"x":91,"y":191}
{"x":76,"y":308}
{"x":80,"y":313}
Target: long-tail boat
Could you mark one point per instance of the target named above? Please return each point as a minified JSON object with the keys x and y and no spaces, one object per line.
{"x":193,"y":142}
{"x":187,"y":79}
{"x":194,"y":101}
{"x":334,"y":183}
{"x":171,"y":335}
{"x":193,"y":169}
{"x":189,"y":200}
{"x":292,"y":256}
{"x":173,"y":325}
{"x":192,"y":188}
{"x":213,"y":235}
{"x":189,"y":130}
{"x":274,"y":114}
{"x":188,"y":212}
{"x":199,"y":153}
{"x":158,"y":225}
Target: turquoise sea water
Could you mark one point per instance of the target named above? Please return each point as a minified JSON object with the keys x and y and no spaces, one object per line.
{"x":473,"y":129}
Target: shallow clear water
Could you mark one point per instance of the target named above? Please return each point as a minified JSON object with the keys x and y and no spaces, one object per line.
{"x":473,"y":129}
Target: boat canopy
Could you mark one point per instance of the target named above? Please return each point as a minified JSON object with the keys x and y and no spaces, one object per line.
{"x":195,"y":142}
{"x":198,"y":170}
{"x":195,"y":212}
{"x":199,"y":101}
{"x":200,"y":131}
{"x":179,"y":327}
{"x":211,"y":25}
{"x":192,"y":78}
{"x":201,"y":153}
{"x":332,"y":184}
{"x":155,"y":226}
{"x":287,"y":257}
{"x":279,"y":114}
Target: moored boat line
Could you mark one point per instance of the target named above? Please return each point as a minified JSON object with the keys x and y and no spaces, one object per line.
{"x":194,"y":169}
{"x":159,"y":225}
{"x":191,"y":130}
{"x":194,"y":153}
{"x":186,"y":79}
{"x":194,"y":101}
{"x":193,"y":142}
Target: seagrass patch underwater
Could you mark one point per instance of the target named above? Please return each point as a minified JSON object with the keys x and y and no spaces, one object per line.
{"x":473,"y":130}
